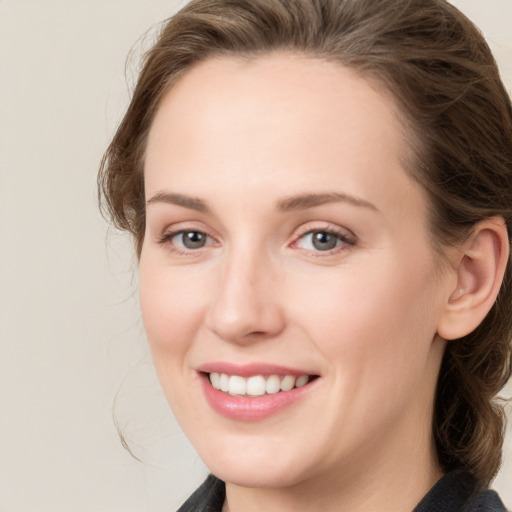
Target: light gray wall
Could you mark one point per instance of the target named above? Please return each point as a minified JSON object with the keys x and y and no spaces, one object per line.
{"x":70,"y":333}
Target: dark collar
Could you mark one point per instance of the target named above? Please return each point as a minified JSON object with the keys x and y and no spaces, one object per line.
{"x":455,"y":492}
{"x":209,"y":497}
{"x":452,"y":493}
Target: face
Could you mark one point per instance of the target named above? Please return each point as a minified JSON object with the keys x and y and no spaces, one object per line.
{"x":287,"y":261}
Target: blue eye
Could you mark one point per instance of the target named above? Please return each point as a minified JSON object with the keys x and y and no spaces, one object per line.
{"x":323,"y":240}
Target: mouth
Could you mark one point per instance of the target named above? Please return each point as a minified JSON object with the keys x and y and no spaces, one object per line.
{"x":257,"y":385}
{"x":254,"y":392}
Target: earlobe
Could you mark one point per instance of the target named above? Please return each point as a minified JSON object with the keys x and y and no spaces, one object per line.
{"x":480,"y":266}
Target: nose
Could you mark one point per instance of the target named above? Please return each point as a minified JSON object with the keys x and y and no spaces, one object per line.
{"x":245,"y":306}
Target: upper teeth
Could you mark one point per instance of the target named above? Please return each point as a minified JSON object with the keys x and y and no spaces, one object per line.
{"x":257,"y":385}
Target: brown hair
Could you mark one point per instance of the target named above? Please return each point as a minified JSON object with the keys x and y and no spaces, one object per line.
{"x":459,"y":119}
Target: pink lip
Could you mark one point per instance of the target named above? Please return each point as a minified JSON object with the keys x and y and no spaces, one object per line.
{"x":243,"y":408}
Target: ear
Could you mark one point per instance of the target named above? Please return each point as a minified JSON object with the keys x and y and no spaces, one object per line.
{"x":479,"y":266}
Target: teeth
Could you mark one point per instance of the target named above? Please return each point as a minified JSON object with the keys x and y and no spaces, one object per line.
{"x":215,"y":380}
{"x":224,"y":382}
{"x":301,"y":381}
{"x":256,"y":385}
{"x":273,"y":384}
{"x":237,"y":385}
{"x":288,"y":383}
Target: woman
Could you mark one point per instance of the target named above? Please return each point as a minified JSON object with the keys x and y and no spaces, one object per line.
{"x":320,"y":193}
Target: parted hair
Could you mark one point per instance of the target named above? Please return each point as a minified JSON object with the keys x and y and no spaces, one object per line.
{"x":457,"y":120}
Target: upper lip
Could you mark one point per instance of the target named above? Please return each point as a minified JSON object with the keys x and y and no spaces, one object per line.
{"x":248,"y":370}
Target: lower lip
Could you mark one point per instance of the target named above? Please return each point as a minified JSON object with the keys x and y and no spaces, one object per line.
{"x":244,"y":408}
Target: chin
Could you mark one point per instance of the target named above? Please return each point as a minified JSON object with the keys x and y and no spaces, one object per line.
{"x":256,"y":468}
{"x":268,"y":476}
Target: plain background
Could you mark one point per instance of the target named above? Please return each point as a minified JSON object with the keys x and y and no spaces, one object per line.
{"x":71,"y":338}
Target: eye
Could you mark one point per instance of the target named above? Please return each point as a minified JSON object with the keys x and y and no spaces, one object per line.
{"x":323,"y":240}
{"x":188,"y":240}
{"x":191,"y":239}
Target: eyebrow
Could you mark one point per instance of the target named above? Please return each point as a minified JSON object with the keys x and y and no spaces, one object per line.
{"x":304,"y":201}
{"x":297,"y":202}
{"x":192,"y":203}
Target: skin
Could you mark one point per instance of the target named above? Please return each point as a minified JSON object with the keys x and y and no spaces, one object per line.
{"x":242,"y":136}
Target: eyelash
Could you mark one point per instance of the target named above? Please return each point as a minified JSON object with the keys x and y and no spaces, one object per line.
{"x":166,"y":239}
{"x":340,"y":236}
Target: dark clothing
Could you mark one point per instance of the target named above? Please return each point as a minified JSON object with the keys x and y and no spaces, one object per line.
{"x":207,"y":498}
{"x":453,"y":493}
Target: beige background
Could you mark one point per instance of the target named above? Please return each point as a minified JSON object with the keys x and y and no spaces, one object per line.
{"x":70,"y":332}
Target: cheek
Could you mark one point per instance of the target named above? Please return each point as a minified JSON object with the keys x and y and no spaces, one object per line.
{"x":172,"y":304}
{"x":376,"y":322}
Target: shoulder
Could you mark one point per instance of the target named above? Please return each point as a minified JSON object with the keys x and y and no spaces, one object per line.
{"x":487,"y":501}
{"x":209,"y":497}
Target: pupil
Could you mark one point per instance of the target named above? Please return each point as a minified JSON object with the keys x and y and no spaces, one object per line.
{"x":324,"y":241}
{"x":193,"y":239}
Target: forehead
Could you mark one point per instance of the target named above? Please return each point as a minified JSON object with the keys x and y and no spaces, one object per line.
{"x":259,"y":92}
{"x":287,"y":119}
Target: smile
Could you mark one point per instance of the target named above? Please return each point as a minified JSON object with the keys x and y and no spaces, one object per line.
{"x":254,"y":392}
{"x":257,"y":385}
